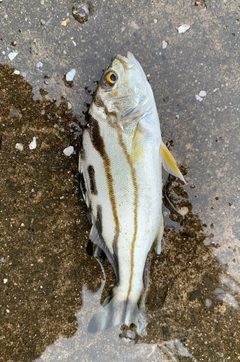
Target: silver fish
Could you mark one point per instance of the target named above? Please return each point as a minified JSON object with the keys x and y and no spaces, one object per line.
{"x":120,"y":165}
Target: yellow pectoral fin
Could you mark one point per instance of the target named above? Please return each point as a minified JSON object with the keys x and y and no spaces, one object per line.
{"x":169,"y":163}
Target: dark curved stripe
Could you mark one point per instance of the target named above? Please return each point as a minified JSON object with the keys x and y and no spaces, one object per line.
{"x":135,"y":205}
{"x":99,"y":219}
{"x":99,"y":145}
{"x":93,"y":185}
{"x":98,"y":142}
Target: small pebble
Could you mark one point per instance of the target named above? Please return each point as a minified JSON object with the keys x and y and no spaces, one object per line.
{"x":14,"y":43}
{"x":5,"y":280}
{"x":202,"y":93}
{"x":68,"y":151}
{"x":183,"y":211}
{"x":194,"y":295}
{"x":19,"y":146}
{"x":16,"y":72}
{"x":33,"y":144}
{"x":64,"y":22}
{"x":134,"y":25}
{"x":208,"y":303}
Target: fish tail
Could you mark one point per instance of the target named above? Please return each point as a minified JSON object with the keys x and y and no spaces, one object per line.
{"x":114,"y":312}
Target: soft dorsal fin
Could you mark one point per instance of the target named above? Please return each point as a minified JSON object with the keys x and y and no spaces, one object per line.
{"x":169,"y":162}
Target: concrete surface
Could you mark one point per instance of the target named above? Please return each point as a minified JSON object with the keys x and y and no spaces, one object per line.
{"x":49,"y":285}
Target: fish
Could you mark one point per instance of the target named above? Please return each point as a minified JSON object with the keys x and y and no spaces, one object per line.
{"x":120,"y":167}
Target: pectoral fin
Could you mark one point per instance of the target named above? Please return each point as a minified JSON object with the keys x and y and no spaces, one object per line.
{"x":169,"y":162}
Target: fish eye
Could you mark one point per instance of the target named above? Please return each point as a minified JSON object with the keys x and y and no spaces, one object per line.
{"x":110,"y":78}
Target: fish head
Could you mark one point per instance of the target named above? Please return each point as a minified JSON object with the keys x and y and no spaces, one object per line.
{"x":124,"y":92}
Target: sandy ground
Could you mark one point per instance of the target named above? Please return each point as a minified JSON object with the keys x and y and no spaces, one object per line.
{"x":49,"y":285}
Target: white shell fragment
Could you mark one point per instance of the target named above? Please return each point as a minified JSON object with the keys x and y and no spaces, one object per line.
{"x":16,"y":72}
{"x":12,"y":55}
{"x":19,"y":146}
{"x":68,"y":151}
{"x":39,"y":65}
{"x":202,"y":93}
{"x":164,"y":44}
{"x":70,"y":75}
{"x":183,"y":28}
{"x":198,"y":98}
{"x":33,"y":144}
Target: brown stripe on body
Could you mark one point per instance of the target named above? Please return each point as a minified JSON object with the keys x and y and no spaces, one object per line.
{"x":99,"y":145}
{"x":135,"y":204}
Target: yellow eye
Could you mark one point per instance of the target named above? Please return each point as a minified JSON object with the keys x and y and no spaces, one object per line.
{"x":111,"y":78}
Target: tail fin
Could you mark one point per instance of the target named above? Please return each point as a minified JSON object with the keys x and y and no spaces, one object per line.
{"x":114,"y":312}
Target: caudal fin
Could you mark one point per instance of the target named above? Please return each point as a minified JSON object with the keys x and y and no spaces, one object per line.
{"x":115,"y":312}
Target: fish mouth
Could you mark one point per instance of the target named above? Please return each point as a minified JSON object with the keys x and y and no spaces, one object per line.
{"x":128,"y":61}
